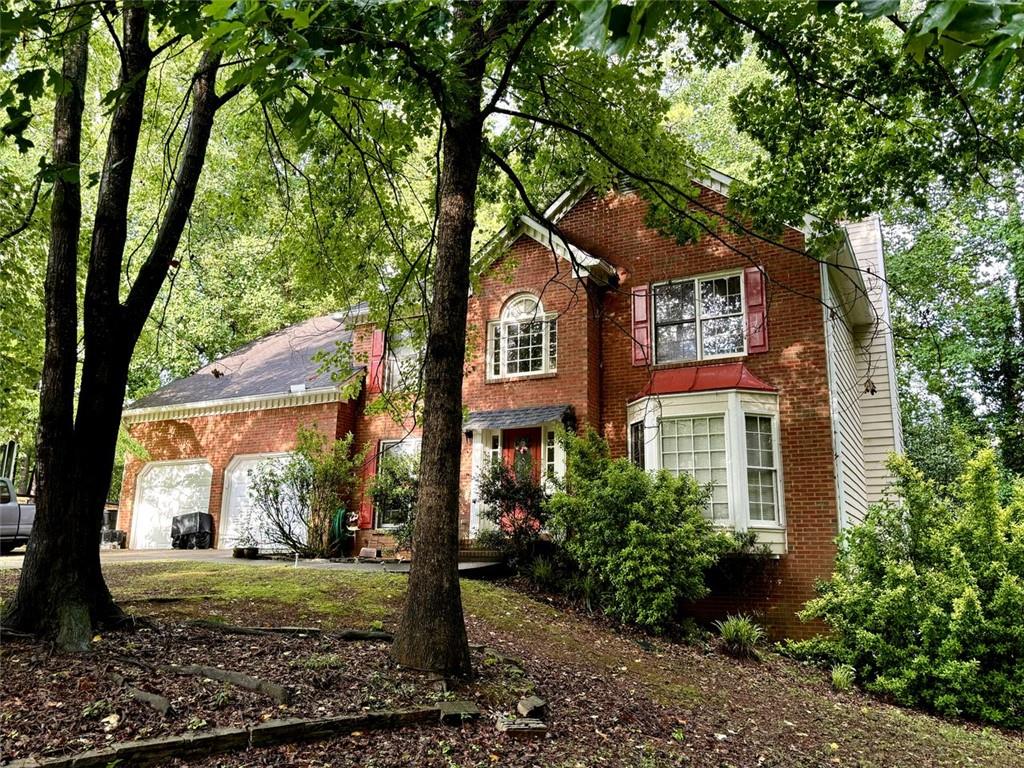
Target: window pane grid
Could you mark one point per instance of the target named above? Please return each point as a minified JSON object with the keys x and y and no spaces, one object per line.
{"x":524,"y":341}
{"x":698,"y":318}
{"x":761,"y":472}
{"x":696,"y":446}
{"x":549,"y":455}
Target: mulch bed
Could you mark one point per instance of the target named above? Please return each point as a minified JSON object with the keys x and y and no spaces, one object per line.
{"x":55,"y":703}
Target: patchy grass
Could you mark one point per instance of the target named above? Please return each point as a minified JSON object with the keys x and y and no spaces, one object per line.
{"x":617,"y":698}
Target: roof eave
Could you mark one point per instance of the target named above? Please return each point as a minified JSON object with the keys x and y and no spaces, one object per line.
{"x":208,"y":407}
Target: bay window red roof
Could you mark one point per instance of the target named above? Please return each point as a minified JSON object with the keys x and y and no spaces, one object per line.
{"x":703,"y":378}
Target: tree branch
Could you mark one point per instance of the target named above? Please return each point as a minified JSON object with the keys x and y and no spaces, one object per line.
{"x":152,"y":273}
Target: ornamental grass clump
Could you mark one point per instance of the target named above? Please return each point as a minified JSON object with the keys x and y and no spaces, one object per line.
{"x":843,"y":676}
{"x":927,"y":599}
{"x":740,"y":636}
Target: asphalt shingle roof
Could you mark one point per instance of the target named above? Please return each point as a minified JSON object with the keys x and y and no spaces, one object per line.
{"x":267,"y":366}
{"x":515,"y":417}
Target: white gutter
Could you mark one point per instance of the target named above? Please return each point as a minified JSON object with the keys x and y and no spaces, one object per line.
{"x":231,"y":405}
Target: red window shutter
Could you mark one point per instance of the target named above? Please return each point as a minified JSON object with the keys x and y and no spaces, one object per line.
{"x":375,"y":374}
{"x":366,"y":505}
{"x":642,"y":325}
{"x":757,"y":310}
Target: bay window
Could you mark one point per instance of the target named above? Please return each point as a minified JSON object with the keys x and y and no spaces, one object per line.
{"x":761,"y":477}
{"x":727,"y":441}
{"x":698,"y":318}
{"x":524,"y":341}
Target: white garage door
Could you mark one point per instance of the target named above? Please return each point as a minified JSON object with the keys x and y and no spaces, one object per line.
{"x":165,"y":489}
{"x":238,"y":503}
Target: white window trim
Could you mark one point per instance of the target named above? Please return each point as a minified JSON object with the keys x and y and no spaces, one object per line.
{"x":547,"y":318}
{"x":382,"y":448}
{"x":698,"y":320}
{"x":735,"y":405}
{"x":396,"y":364}
{"x":776,"y":457}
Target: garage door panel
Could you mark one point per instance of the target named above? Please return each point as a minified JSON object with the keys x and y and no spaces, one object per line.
{"x":166,"y":489}
{"x":238,"y":502}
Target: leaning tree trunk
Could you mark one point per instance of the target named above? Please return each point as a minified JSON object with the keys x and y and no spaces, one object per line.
{"x":61,"y":591}
{"x":432,"y":635}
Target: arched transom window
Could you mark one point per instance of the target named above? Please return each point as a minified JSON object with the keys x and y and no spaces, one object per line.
{"x":524,"y":341}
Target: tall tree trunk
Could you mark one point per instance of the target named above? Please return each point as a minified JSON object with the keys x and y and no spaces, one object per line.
{"x":62,"y":592}
{"x":52,"y":597}
{"x":432,"y":635}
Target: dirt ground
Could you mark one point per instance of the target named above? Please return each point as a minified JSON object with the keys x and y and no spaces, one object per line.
{"x":616,"y":698}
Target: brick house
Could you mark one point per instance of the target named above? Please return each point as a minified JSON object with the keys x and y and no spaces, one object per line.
{"x":761,"y":371}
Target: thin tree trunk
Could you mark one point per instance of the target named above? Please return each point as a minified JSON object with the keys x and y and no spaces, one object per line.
{"x":432,"y":634}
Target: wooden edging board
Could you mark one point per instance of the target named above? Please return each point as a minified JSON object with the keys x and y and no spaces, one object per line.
{"x":213,"y":741}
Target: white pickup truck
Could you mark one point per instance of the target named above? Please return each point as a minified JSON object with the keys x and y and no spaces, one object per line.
{"x":15,"y":519}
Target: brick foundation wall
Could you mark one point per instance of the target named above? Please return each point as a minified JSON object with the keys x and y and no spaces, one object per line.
{"x":219,"y":438}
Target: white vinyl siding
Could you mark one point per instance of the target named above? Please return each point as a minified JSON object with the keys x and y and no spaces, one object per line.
{"x":879,"y":412}
{"x":847,"y":419}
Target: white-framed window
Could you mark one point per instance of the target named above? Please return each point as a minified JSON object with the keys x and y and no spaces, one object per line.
{"x":636,"y":443}
{"x":402,"y":367}
{"x":696,"y":445}
{"x":524,"y":341}
{"x":550,"y":470}
{"x":728,"y":440}
{"x":762,"y":475}
{"x":494,"y":449}
{"x":698,"y":318}
{"x":408,"y":447}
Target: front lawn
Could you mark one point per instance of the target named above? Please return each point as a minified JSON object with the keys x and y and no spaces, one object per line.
{"x":615,"y":698}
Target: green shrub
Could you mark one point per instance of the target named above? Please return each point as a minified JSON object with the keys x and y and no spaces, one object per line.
{"x":843,"y":676}
{"x":514,"y":500}
{"x":641,"y":538}
{"x":740,"y":636}
{"x":927,"y":598}
{"x":296,"y":502}
{"x":493,"y":538}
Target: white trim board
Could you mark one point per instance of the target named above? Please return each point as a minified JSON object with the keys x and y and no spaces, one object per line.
{"x":232,"y":405}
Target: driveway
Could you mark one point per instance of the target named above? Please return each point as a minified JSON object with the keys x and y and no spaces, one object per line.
{"x":114,"y":556}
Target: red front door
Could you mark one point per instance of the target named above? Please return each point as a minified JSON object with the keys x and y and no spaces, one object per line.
{"x":517,"y":442}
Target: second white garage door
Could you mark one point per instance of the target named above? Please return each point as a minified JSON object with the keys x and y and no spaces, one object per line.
{"x":237,"y":503}
{"x":165,"y":489}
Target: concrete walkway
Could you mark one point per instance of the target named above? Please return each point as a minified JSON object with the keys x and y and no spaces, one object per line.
{"x":114,"y":556}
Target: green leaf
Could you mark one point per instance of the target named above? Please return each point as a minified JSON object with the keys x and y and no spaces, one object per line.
{"x":873,"y":9}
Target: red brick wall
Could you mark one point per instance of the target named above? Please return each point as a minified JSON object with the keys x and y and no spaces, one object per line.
{"x":613,"y":228}
{"x":220,"y":438}
{"x":528,"y":268}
